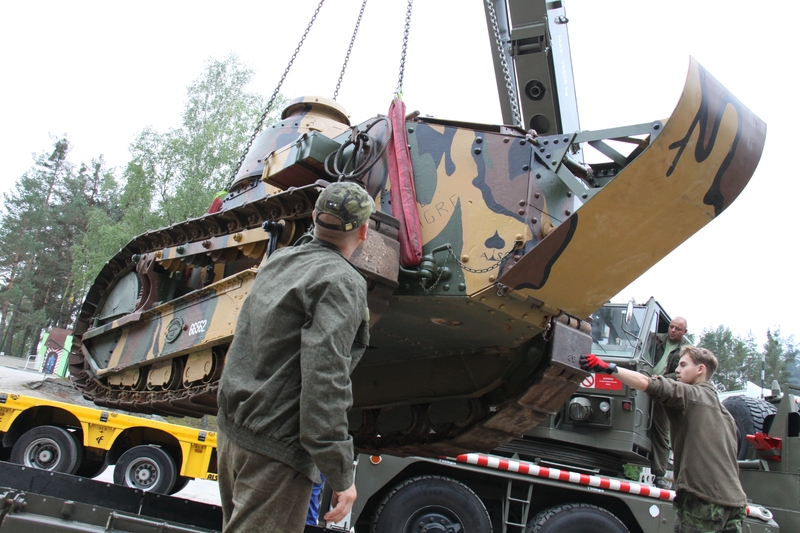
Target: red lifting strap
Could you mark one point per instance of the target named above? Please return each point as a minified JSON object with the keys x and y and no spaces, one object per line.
{"x":404,"y":195}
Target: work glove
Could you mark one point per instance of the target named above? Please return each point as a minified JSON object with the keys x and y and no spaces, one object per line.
{"x":592,"y":363}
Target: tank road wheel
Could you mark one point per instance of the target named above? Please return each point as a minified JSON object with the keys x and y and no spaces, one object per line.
{"x":749,"y":415}
{"x":148,"y":468}
{"x":431,"y":504}
{"x":48,"y":448}
{"x":576,"y":518}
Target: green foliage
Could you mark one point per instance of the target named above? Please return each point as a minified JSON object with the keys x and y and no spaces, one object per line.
{"x":633,"y":472}
{"x":63,"y":221}
{"x":740,"y":359}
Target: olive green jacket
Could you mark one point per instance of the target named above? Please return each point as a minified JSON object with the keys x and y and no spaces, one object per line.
{"x":285,"y":389}
{"x":703,"y":435}
{"x":673,"y":357}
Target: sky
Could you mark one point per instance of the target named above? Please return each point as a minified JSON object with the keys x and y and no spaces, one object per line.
{"x":100,"y":72}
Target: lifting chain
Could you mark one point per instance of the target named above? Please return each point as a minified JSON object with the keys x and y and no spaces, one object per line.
{"x":399,"y":90}
{"x":487,"y":269}
{"x":501,"y":50}
{"x":274,"y":95}
{"x":349,"y":49}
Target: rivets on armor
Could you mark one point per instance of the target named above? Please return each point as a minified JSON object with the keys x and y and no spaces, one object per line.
{"x":492,"y":277}
{"x":479,"y":140}
{"x":567,"y":212}
{"x":477,"y":150}
{"x":525,"y":168}
{"x":522,"y":202}
{"x":534,"y":221}
{"x":536,"y":194}
{"x":237,"y":237}
{"x":462,"y":287}
{"x":446,"y":286}
{"x":465,"y":259}
{"x":521,"y":212}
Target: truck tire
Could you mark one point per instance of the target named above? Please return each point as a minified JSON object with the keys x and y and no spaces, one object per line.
{"x":576,"y":518}
{"x":425,"y":500}
{"x":749,"y":415}
{"x":48,"y":448}
{"x":148,"y":468}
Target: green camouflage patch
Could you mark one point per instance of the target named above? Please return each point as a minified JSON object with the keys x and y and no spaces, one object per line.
{"x":695,"y":515}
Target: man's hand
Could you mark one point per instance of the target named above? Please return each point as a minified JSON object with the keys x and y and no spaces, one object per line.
{"x":592,"y":363}
{"x":342,"y":504}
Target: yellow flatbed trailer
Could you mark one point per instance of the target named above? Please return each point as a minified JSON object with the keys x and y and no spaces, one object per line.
{"x":148,"y":454}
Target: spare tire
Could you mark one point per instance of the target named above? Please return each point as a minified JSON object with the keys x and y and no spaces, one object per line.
{"x":749,"y":414}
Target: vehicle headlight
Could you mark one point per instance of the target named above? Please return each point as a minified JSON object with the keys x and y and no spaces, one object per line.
{"x":579,"y":408}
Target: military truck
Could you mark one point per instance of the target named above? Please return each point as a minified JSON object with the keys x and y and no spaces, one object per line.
{"x":491,"y":247}
{"x":567,"y":474}
{"x":769,"y":450}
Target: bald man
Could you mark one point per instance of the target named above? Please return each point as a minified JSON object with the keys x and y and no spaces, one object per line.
{"x":668,"y":355}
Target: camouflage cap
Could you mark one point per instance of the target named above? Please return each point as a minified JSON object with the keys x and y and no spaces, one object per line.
{"x":347,"y":201}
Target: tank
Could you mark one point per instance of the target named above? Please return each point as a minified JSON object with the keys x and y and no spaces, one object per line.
{"x":477,"y":343}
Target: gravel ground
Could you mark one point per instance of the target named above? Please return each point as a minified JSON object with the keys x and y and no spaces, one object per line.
{"x":15,"y":379}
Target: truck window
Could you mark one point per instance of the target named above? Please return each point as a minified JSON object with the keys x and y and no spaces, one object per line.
{"x":611,"y":335}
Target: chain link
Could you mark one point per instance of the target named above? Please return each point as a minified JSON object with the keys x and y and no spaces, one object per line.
{"x":501,"y":50}
{"x":399,"y":90}
{"x":349,"y":49}
{"x":450,"y":254}
{"x":274,"y":95}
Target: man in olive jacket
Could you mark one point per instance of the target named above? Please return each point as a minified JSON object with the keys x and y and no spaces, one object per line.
{"x":668,"y":349}
{"x":285,"y":389}
{"x":709,"y":496}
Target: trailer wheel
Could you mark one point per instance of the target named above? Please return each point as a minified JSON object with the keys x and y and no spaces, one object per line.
{"x":431,"y":504}
{"x":576,"y":518}
{"x":48,"y":448}
{"x":749,"y":415}
{"x":148,"y":468}
{"x":179,"y":485}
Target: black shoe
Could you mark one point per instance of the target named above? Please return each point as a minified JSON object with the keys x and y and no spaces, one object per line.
{"x":662,"y":483}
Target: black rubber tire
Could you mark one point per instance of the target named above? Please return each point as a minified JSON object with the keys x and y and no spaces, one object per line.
{"x":179,"y":485}
{"x":430,"y":500}
{"x":91,"y":468}
{"x":576,"y":518}
{"x":749,"y":415}
{"x":148,"y":468}
{"x":48,"y":448}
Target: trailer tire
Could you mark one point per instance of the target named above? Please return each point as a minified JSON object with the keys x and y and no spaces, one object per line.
{"x":749,"y":415}
{"x":179,"y":485}
{"x":431,"y":499}
{"x":148,"y":468}
{"x":48,"y":448}
{"x":576,"y":518}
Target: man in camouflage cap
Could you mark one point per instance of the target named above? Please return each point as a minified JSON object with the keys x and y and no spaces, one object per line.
{"x":285,"y":389}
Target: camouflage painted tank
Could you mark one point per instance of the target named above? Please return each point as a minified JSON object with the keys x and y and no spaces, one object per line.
{"x":479,"y":342}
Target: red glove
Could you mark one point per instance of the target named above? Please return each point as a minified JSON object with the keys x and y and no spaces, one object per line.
{"x":592,"y":363}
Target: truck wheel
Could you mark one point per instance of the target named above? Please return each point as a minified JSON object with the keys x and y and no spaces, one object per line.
{"x":48,"y":448}
{"x":576,"y":518}
{"x":431,"y":504}
{"x":749,"y":415}
{"x":148,"y":468}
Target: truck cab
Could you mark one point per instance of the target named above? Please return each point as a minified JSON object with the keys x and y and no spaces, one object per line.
{"x":606,"y":419}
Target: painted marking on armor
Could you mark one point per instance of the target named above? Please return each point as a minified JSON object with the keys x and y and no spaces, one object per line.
{"x":198,"y":327}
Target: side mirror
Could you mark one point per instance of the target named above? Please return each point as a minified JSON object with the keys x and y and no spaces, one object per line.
{"x":629,"y":312}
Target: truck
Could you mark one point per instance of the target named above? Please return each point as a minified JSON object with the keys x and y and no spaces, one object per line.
{"x":149,"y":455}
{"x":476,"y":331}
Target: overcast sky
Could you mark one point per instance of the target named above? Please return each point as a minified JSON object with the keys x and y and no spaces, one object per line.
{"x":101,"y":71}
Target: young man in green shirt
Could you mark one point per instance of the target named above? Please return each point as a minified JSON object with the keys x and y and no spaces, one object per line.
{"x":709,"y":496}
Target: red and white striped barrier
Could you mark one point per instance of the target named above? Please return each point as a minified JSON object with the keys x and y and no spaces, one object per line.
{"x":601,"y":482}
{"x":530,"y":469}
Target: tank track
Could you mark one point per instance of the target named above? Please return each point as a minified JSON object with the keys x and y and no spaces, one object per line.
{"x":490,"y":426}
